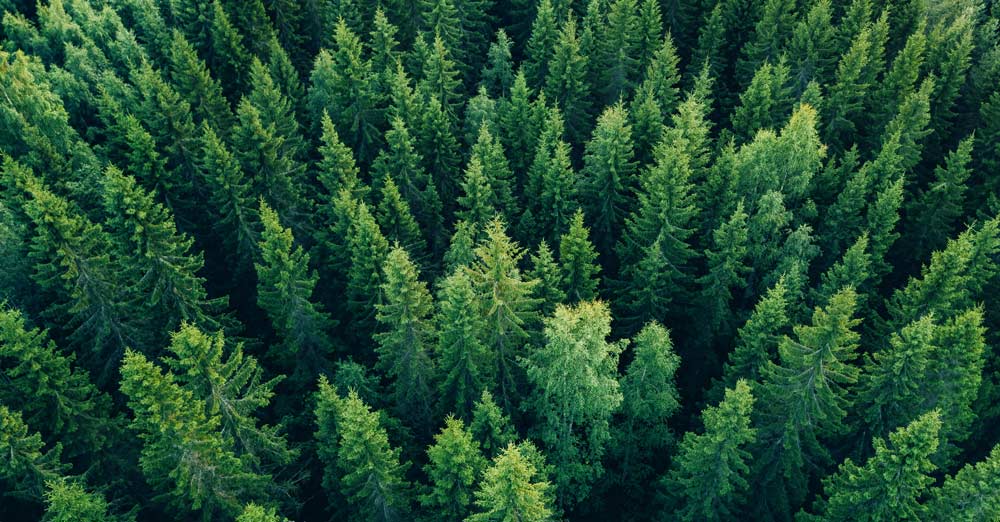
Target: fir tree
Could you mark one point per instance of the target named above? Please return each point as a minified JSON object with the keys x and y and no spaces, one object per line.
{"x":68,"y":501}
{"x":935,"y":211}
{"x":490,"y":426}
{"x":757,"y":339}
{"x":193,"y":81}
{"x":709,"y":476}
{"x":475,"y":201}
{"x":496,"y":169}
{"x":185,"y":456}
{"x":618,"y":50}
{"x":397,"y":222}
{"x":541,"y":46}
{"x":566,"y":82}
{"x":969,"y":494}
{"x":726,"y":269}
{"x":498,"y":74}
{"x":545,"y":270}
{"x":368,"y":252}
{"x":25,"y":466}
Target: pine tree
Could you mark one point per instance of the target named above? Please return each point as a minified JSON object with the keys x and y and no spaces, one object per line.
{"x":764,"y":103}
{"x":649,"y":399}
{"x":521,"y":125}
{"x":578,"y":262}
{"x":890,"y":485}
{"x":465,"y":365}
{"x":455,"y":464}
{"x":772,"y":29}
{"x":757,"y":339}
{"x":24,"y":465}
{"x":370,"y":473}
{"x":405,"y":337}
{"x":52,"y":394}
{"x":475,"y":201}
{"x":606,"y":179}
{"x":848,"y":90}
{"x":509,"y":491}
{"x":498,"y":74}
{"x":566,"y":82}
{"x":576,"y":392}
{"x":185,"y":456}
{"x":232,"y":387}
{"x":552,"y":180}
{"x":68,"y":501}
{"x":440,"y":79}
{"x":853,"y":269}
{"x":812,"y":47}
{"x":403,"y":164}
{"x":341,"y":86}
{"x":544,"y":269}
{"x":276,"y":110}
{"x":662,"y":76}
{"x":73,"y":260}
{"x":285,"y":286}
{"x":506,"y":306}
{"x":397,"y":222}
{"x":169,"y":289}
{"x":618,"y":50}
{"x":936,"y":210}
{"x":709,"y":474}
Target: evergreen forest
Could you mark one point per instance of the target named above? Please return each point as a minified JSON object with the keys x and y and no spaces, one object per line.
{"x":499,"y":260}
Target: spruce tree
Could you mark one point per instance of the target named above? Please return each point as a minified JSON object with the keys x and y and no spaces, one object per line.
{"x":491,"y":155}
{"x":566,"y":82}
{"x":618,"y":50}
{"x":475,"y":202}
{"x":490,"y":426}
{"x":510,"y":490}
{"x":649,"y":399}
{"x":194,"y":81}
{"x":405,"y":337}
{"x":576,"y":392}
{"x":67,"y":500}
{"x":757,"y":339}
{"x":969,"y":494}
{"x":285,"y":286}
{"x":455,"y":464}
{"x":936,"y":210}
{"x":498,"y":73}
{"x":368,"y":252}
{"x":708,"y":479}
{"x":185,"y":455}
{"x":606,"y":180}
{"x":726,"y":269}
{"x":891,"y":484}
{"x":578,"y":262}
{"x":541,"y":46}
{"x":397,"y":222}
{"x":465,"y":364}
{"x":25,"y":466}
{"x":506,"y":305}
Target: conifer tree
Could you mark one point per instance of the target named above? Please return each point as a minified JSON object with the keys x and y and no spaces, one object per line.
{"x":194,"y":81}
{"x":726,"y":269}
{"x":455,"y":464}
{"x":812,"y":47}
{"x":764,"y":103}
{"x":341,"y":86}
{"x":52,"y":394}
{"x":370,"y":472}
{"x":440,"y":78}
{"x":934,"y":212}
{"x":709,"y":475}
{"x":804,"y":399}
{"x":475,"y":203}
{"x":368,"y":252}
{"x":24,"y":465}
{"x":852,"y":269}
{"x":169,"y":289}
{"x":397,"y":222}
{"x":890,"y":485}
{"x":276,"y":109}
{"x":546,"y":271}
{"x":566,"y":82}
{"x":256,"y":513}
{"x":521,"y":125}
{"x":578,"y":262}
{"x":185,"y":456}
{"x":757,"y":339}
{"x":232,"y":387}
{"x":606,"y":179}
{"x":227,"y":54}
{"x":509,"y":491}
{"x":72,"y":259}
{"x":969,"y":494}
{"x":67,"y":500}
{"x":439,"y":148}
{"x":649,"y":399}
{"x":662,"y":76}
{"x":404,"y":342}
{"x":772,"y":29}
{"x":285,"y":286}
{"x":553,"y":180}
{"x":506,"y":305}
{"x":618,"y":50}
{"x":461,"y":250}
{"x":490,"y":427}
{"x":498,"y":73}
{"x":540,"y":47}
{"x":576,"y":392}
{"x":654,"y":249}
{"x":852,"y":81}
{"x":490,"y":153}
{"x":230,"y":195}
{"x":465,"y":365}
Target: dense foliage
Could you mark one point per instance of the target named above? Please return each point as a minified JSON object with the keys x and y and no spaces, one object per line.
{"x":499,"y":260}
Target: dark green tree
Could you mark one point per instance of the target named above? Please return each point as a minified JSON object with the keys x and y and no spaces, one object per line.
{"x":397,"y":222}
{"x":545,"y":270}
{"x":465,"y":364}
{"x":578,"y":262}
{"x":566,"y":82}
{"x":606,"y":181}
